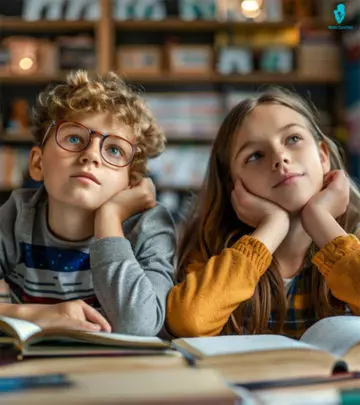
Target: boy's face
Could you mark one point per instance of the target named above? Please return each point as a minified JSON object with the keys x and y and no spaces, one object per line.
{"x":66,"y":174}
{"x":275,"y":144}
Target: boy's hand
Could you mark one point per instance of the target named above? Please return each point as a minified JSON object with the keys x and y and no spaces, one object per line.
{"x":69,"y":315}
{"x":333,"y":198}
{"x":251,"y":209}
{"x":132,"y":200}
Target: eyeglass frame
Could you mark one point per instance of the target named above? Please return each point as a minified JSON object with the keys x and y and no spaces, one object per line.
{"x":57,"y":124}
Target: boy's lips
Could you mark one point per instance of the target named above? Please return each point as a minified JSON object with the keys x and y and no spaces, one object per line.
{"x":87,"y":175}
{"x":286,"y":178}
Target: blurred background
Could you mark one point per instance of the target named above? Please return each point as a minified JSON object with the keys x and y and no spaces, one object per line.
{"x":191,"y":59}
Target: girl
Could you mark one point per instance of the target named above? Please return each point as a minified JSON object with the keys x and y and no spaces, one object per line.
{"x":271,"y":247}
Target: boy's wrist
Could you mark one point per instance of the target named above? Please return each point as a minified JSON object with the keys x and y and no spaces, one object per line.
{"x":108,"y":223}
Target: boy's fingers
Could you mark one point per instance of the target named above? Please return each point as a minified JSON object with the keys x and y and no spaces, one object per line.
{"x":94,"y":316}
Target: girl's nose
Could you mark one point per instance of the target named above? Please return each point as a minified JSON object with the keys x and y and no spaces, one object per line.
{"x":279,"y":161}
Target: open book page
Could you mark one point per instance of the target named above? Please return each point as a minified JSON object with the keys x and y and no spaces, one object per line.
{"x":223,"y":345}
{"x":23,"y":328}
{"x":335,"y":334}
{"x":99,"y":338}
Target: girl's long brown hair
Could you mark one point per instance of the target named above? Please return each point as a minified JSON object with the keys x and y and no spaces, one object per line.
{"x":214,"y":225}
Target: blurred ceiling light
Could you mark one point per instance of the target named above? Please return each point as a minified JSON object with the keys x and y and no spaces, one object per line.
{"x":251,"y":8}
{"x":26,"y":63}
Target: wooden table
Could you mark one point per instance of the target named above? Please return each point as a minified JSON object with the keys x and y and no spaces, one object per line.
{"x":120,"y":380}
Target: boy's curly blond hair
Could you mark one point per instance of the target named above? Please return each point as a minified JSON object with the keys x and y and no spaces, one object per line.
{"x":81,"y":93}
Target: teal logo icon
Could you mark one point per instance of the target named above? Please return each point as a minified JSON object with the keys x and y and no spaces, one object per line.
{"x":340,"y":13}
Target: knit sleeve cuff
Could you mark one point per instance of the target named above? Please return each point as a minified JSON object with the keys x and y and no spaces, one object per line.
{"x":334,"y":251}
{"x":255,"y":250}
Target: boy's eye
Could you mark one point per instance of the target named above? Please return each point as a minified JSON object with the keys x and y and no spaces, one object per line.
{"x":293,"y":139}
{"x":115,"y":151}
{"x":253,"y":157}
{"x":73,"y":139}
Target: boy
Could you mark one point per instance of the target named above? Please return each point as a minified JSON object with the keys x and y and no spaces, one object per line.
{"x":74,"y":253}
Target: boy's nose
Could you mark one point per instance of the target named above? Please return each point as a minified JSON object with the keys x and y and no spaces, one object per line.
{"x":92,"y":153}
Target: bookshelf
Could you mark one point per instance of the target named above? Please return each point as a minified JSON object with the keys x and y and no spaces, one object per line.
{"x":108,"y":33}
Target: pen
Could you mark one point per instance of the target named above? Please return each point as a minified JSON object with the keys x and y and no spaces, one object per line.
{"x":20,"y":383}
{"x":298,"y":382}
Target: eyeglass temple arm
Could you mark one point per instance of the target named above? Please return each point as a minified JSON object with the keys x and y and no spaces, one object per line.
{"x":47,"y":132}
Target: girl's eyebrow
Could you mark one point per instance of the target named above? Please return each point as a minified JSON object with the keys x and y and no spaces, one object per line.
{"x":284,"y":128}
{"x":291,"y":125}
{"x":244,"y":146}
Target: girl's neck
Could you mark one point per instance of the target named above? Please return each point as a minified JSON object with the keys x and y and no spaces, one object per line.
{"x":68,"y":222}
{"x":292,"y":251}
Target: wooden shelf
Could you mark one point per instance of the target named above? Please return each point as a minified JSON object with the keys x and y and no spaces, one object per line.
{"x":170,"y":24}
{"x":36,"y":78}
{"x":188,"y":140}
{"x":176,"y":24}
{"x":16,"y":138}
{"x":17,"y":24}
{"x":253,"y":78}
{"x":177,"y":78}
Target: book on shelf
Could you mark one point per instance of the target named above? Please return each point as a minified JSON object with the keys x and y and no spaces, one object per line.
{"x":331,"y":344}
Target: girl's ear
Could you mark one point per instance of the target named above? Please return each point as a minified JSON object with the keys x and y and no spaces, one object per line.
{"x":325,"y":157}
{"x":35,"y":164}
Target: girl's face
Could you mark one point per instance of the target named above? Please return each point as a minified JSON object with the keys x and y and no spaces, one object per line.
{"x":277,"y":157}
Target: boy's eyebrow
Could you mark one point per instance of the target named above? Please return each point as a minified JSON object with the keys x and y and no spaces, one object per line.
{"x":285,"y":127}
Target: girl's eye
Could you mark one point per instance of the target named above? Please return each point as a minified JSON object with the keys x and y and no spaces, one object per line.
{"x":252,"y":158}
{"x":293,"y":139}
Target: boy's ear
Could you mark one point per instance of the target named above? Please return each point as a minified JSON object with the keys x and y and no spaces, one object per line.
{"x":35,"y":164}
{"x":325,"y":157}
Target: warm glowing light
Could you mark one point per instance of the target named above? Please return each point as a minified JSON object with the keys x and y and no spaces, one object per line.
{"x":26,"y":63}
{"x":250,"y":6}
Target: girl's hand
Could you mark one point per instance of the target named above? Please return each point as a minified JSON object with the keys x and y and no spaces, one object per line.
{"x":333,"y":198}
{"x":251,"y":209}
{"x":270,"y":221}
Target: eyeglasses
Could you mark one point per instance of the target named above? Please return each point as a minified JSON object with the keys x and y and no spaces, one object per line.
{"x":75,"y":137}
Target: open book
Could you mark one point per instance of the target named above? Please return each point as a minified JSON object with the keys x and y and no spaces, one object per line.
{"x":29,"y":339}
{"x":329,"y":345}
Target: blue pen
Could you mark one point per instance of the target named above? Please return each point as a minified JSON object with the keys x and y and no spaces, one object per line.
{"x":20,"y":383}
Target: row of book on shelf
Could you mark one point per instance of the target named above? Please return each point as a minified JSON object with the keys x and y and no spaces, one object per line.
{"x":269,"y":10}
{"x":239,"y":52}
{"x":186,"y":118}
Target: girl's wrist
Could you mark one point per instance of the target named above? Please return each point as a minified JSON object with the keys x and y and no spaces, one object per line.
{"x":272,"y":230}
{"x":321,"y":226}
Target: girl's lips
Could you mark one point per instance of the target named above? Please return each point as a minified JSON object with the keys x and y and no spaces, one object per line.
{"x":288,"y":179}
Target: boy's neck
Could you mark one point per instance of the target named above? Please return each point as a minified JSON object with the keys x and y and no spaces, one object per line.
{"x":68,"y":222}
{"x":291,"y":253}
